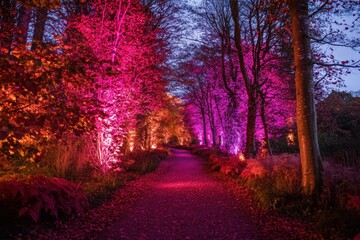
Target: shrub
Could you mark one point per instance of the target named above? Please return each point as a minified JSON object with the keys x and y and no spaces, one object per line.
{"x":347,"y":157}
{"x":39,"y":197}
{"x":205,"y":152}
{"x":101,"y":186}
{"x":71,"y":158}
{"x":340,"y":150}
{"x":228,"y":165}
{"x":338,"y":224}
{"x":275,"y":181}
{"x":254,"y":170}
{"x":280,"y":145}
{"x":144,"y":162}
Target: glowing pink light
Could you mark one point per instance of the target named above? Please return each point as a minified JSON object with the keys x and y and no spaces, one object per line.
{"x":236,"y":150}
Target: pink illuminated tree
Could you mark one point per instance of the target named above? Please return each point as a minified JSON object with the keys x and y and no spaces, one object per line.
{"x":242,"y":119}
{"x":127,"y":77}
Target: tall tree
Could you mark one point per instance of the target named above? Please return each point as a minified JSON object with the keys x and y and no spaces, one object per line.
{"x":23,"y":25}
{"x":249,"y":84}
{"x":128,"y":74}
{"x":255,"y":40}
{"x":217,"y":16}
{"x":39,"y":28}
{"x":305,"y":108}
{"x":7,"y":10}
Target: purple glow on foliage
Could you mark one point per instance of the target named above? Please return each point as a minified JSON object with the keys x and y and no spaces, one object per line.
{"x":127,"y":78}
{"x":219,"y":121}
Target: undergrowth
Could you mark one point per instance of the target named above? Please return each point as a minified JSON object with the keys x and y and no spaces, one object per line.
{"x":38,"y":194}
{"x":275,"y":183}
{"x":40,"y":197}
{"x":144,"y":162}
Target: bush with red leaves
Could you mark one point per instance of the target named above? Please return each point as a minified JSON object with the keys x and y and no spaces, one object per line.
{"x":228,"y":165}
{"x":39,"y":197}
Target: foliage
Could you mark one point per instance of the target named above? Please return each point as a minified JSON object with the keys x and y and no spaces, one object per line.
{"x":163,"y":126}
{"x":220,"y":88}
{"x":88,"y":80}
{"x":339,"y":127}
{"x":228,"y":165}
{"x":100,"y":187}
{"x":39,"y":197}
{"x":73,"y":159}
{"x":37,"y":87}
{"x":205,"y":152}
{"x":275,"y":183}
{"x":129,"y":77}
{"x":339,"y":224}
{"x":280,"y":145}
{"x":145,"y":161}
{"x":275,"y":180}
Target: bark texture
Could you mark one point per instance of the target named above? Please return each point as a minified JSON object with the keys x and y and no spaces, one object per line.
{"x":305,"y":108}
{"x":250,"y":89}
{"x":39,"y":30}
{"x":23,"y":25}
{"x":7,"y":25}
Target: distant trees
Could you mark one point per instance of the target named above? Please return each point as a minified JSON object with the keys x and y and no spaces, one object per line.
{"x":249,"y":67}
{"x":165,"y":125}
{"x":255,"y":36}
{"x":338,"y":122}
{"x":217,"y":18}
{"x":243,"y":70}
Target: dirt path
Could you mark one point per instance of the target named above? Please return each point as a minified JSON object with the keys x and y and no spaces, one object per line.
{"x":184,"y":203}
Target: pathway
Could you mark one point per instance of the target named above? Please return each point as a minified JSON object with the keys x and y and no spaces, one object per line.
{"x":184,"y":203}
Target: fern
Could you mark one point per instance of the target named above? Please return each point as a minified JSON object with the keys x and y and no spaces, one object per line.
{"x":40,"y":196}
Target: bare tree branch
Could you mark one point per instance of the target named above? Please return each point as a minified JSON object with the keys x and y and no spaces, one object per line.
{"x":319,"y":9}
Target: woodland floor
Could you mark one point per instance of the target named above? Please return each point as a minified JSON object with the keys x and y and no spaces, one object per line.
{"x":180,"y":200}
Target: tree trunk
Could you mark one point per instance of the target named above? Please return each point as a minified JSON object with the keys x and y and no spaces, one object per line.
{"x":39,"y":28}
{"x":264,"y":122}
{"x":305,"y":108}
{"x":82,"y":7}
{"x":7,"y":25}
{"x":205,"y":141}
{"x":250,"y":89}
{"x":23,"y":25}
{"x":216,"y":98}
{"x":250,"y":127}
{"x":213,"y":127}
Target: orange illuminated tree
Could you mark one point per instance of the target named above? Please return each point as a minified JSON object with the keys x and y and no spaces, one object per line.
{"x":305,"y":107}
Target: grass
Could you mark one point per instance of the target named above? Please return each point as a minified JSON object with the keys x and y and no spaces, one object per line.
{"x":101,"y":187}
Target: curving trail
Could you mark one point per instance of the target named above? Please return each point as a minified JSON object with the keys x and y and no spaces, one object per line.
{"x":184,"y":203}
